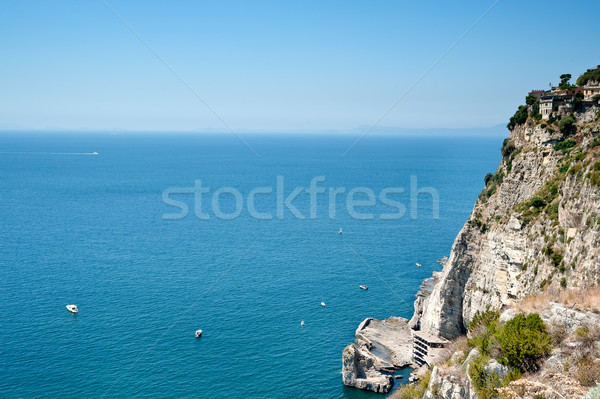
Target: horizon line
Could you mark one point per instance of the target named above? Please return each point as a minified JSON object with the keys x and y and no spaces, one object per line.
{"x":499,"y":129}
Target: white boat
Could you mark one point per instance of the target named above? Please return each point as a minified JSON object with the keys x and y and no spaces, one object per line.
{"x":418,"y":265}
{"x":198,"y":333}
{"x":302,"y":323}
{"x":364,"y":287}
{"x":72,"y":308}
{"x":322,"y":303}
{"x":340,"y":232}
{"x":94,"y":153}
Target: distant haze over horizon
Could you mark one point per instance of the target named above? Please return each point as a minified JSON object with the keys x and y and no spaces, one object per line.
{"x":382,"y":131}
{"x":270,"y":66}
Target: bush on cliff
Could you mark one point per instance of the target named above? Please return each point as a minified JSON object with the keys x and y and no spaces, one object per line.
{"x":520,"y":343}
{"x":508,"y":147}
{"x":566,"y":125}
{"x":524,"y":342}
{"x":530,"y":99}
{"x":565,"y":145}
{"x":518,"y":118}
{"x":593,"y":75}
{"x":483,"y":319}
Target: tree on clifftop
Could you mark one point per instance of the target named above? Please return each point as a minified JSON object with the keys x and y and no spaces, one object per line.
{"x":564,"y":81}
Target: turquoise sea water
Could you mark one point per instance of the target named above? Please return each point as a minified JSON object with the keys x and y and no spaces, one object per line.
{"x":89,"y":230}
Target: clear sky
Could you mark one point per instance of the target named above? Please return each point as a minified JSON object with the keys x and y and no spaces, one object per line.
{"x":283,"y":65}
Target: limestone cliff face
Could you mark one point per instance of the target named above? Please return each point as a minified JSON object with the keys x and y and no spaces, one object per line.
{"x":535,"y":224}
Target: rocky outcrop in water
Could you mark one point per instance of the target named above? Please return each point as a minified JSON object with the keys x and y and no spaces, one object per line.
{"x":381,"y":347}
{"x":359,"y":371}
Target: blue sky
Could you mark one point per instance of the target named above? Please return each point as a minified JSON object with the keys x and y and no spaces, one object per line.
{"x":283,"y":66}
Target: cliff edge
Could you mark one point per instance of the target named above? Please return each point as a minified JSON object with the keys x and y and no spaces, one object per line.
{"x":535,"y":225}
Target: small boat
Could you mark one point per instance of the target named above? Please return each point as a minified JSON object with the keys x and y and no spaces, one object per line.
{"x":418,"y":265}
{"x":302,"y":323}
{"x":340,"y":232}
{"x":94,"y":153}
{"x":364,"y":287}
{"x":72,"y":308}
{"x":322,"y":303}
{"x":198,"y":333}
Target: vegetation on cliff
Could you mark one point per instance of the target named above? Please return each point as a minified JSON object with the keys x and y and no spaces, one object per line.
{"x":593,"y":75}
{"x":537,"y":356}
{"x":533,"y":231}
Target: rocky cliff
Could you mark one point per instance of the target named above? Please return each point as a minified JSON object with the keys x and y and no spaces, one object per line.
{"x":534,"y":229}
{"x":536,"y":224}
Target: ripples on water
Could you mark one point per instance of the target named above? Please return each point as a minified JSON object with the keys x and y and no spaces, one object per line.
{"x":88,"y":230}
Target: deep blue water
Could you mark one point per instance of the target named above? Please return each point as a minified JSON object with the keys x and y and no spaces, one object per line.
{"x":89,"y":230}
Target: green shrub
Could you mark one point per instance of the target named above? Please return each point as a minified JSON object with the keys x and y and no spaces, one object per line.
{"x":565,"y":167}
{"x":566,"y":124}
{"x":524,"y":342}
{"x":552,"y":211}
{"x":513,"y":375}
{"x":563,"y":282}
{"x":594,"y":178}
{"x":575,"y":169}
{"x":556,"y":258}
{"x":518,"y":118}
{"x":594,"y":74}
{"x":535,"y":111}
{"x":537,"y":202}
{"x":484,"y":383}
{"x":565,"y":145}
{"x":484,"y":319}
{"x":508,"y":147}
{"x":487,"y":178}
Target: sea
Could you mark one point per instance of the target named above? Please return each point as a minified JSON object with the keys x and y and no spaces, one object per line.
{"x":154,"y":236}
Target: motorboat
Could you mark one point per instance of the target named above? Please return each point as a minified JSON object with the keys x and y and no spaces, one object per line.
{"x":364,"y":287}
{"x":198,"y":333}
{"x":72,"y":308}
{"x":302,"y":323}
{"x":418,"y":265}
{"x":340,"y":232}
{"x":322,"y":303}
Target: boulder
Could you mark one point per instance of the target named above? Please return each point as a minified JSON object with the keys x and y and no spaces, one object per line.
{"x":381,"y":346}
{"x":358,"y":371}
